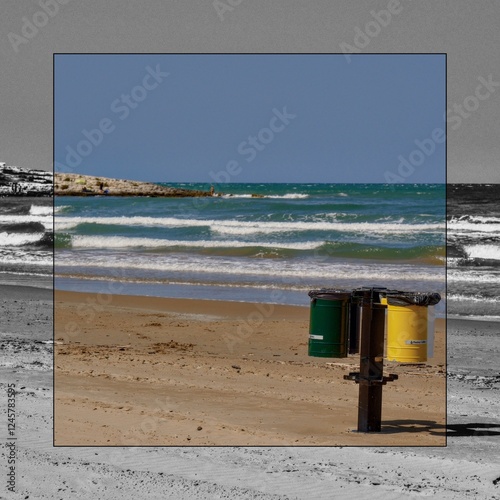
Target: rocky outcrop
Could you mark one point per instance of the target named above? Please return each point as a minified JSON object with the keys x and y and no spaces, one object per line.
{"x":18,"y":181}
{"x":88,"y":185}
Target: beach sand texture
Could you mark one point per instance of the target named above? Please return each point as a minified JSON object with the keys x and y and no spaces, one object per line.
{"x":466,"y":468}
{"x":155,"y":371}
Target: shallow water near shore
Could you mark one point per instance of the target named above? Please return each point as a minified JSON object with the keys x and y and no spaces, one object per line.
{"x":26,"y":241}
{"x":186,"y":291}
{"x":256,"y":237}
{"x":473,"y":235}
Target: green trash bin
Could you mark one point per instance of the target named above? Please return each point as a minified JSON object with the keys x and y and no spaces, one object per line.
{"x":329,"y":323}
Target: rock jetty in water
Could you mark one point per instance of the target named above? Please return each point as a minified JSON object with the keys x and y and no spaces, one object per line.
{"x":18,"y":181}
{"x":88,"y":185}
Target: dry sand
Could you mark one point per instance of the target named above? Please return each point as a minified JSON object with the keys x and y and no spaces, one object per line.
{"x":466,"y":468}
{"x":155,"y":371}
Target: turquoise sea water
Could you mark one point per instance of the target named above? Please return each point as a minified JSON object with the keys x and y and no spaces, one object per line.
{"x":263,"y":242}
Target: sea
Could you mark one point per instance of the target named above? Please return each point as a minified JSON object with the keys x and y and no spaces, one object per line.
{"x":255,"y":242}
{"x":473,"y":222}
{"x":26,"y":241}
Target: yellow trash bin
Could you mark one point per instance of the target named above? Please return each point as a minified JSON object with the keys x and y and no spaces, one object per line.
{"x":407,"y":326}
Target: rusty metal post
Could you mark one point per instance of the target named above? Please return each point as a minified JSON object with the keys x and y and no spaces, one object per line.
{"x":370,"y":377}
{"x":371,"y":368}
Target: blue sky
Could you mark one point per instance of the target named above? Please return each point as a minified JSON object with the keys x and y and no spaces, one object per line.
{"x":251,"y":118}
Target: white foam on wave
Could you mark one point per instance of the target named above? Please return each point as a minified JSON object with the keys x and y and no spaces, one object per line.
{"x":487,"y":252}
{"x":63,"y":223}
{"x":471,"y":298}
{"x":474,"y":317}
{"x":41,"y":210}
{"x":288,"y":196}
{"x":17,"y":255}
{"x":334,"y":215}
{"x":234,"y":230}
{"x":61,"y":208}
{"x":78,"y":241}
{"x":466,"y":226}
{"x":18,"y":239}
{"x":19,"y":219}
{"x":471,"y":275}
{"x":301,"y":270}
{"x":478,"y":219}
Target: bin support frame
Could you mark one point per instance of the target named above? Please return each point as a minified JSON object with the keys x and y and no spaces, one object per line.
{"x":366,"y":334}
{"x":370,"y":377}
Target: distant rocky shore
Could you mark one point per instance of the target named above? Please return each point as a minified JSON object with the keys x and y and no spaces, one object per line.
{"x":88,"y":185}
{"x":18,"y":181}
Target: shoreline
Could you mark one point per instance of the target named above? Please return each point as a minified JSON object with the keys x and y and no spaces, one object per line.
{"x":212,"y":373}
{"x":226,"y":292}
{"x":28,"y":280}
{"x":448,"y":317}
{"x":231,"y":309}
{"x":23,"y":292}
{"x":473,"y":317}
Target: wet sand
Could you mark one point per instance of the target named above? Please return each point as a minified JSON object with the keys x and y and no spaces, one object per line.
{"x":155,"y":371}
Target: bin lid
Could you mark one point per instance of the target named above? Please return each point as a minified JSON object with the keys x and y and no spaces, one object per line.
{"x":373,"y":292}
{"x":330,"y":294}
{"x":413,"y":298}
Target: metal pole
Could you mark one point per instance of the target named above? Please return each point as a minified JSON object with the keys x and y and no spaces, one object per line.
{"x":371,"y":316}
{"x":371,"y":367}
{"x":354,"y":326}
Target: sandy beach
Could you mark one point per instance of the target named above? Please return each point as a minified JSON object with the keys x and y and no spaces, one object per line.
{"x":154,"y":371}
{"x":466,"y":467}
